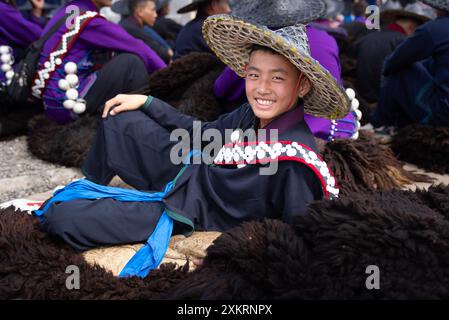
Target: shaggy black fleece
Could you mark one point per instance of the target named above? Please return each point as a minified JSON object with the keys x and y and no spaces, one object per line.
{"x":425,"y":146}
{"x":323,"y":255}
{"x":32,"y":266}
{"x":366,"y":164}
{"x":66,"y":145}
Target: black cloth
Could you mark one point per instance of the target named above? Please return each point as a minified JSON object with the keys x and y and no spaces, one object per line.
{"x":372,"y":50}
{"x":124,"y":73}
{"x":132,"y":27}
{"x":135,"y":145}
{"x":190,"y":38}
{"x":357,"y":30}
{"x":417,"y":85}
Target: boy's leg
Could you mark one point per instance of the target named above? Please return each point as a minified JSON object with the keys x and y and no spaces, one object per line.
{"x":122,"y":74}
{"x":134,"y":147}
{"x":85,"y":224}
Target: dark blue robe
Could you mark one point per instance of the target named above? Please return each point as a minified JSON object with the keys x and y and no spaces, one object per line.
{"x":416,"y":89}
{"x":136,"y":146}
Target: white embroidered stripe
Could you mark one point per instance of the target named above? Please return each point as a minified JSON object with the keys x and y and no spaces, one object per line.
{"x":50,"y":65}
{"x":243,"y":154}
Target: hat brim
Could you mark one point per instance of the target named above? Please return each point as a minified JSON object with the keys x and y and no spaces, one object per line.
{"x":121,"y":7}
{"x":231,"y":39}
{"x":444,"y":6}
{"x":191,"y":7}
{"x":389,"y":16}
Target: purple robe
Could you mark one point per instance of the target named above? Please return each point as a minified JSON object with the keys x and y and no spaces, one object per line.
{"x":15,"y":30}
{"x":324,"y":49}
{"x":99,"y":37}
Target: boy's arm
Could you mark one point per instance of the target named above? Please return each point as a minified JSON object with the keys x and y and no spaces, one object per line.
{"x":171,"y":118}
{"x":294,"y":187}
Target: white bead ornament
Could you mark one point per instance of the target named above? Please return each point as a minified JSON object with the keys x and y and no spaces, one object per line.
{"x":350,"y":93}
{"x":9,"y":75}
{"x":69,"y":104}
{"x":5,"y":50}
{"x":63,"y":84}
{"x":79,"y":107}
{"x":72,"y":80}
{"x":70,"y":68}
{"x":6,"y":67}
{"x":5,"y":58}
{"x":235,"y":136}
{"x":72,"y":94}
{"x":355,"y":104}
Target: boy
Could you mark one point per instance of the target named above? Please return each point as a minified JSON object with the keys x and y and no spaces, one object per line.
{"x":282,"y":81}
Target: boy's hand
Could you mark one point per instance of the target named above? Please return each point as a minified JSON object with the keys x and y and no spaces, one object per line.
{"x":123,"y":102}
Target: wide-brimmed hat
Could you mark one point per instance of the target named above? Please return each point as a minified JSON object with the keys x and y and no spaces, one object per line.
{"x":333,"y":8}
{"x":278,"y":13}
{"x":231,"y":39}
{"x":415,"y":11}
{"x":121,"y":7}
{"x":438,"y":4}
{"x":192,"y":6}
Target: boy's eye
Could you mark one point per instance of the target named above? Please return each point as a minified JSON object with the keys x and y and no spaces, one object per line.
{"x":252,"y":75}
{"x":278,"y":78}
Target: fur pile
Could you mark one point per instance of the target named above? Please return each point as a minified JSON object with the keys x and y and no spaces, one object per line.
{"x":425,"y":146}
{"x":323,"y":255}
{"x":66,"y":145}
{"x":33,"y":266}
{"x":366,"y":164}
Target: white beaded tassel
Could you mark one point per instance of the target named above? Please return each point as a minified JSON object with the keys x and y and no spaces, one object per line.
{"x":355,"y":108}
{"x":7,"y":61}
{"x":69,"y":85}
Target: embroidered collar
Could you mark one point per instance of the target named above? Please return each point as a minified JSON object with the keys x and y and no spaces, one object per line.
{"x":244,"y":153}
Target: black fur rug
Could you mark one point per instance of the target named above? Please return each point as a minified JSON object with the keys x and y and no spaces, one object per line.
{"x":367,"y":164}
{"x":425,"y":146}
{"x":323,"y":255}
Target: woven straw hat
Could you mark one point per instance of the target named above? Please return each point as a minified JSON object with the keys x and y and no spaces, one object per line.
{"x":232,"y":38}
{"x":438,"y":4}
{"x":278,"y":13}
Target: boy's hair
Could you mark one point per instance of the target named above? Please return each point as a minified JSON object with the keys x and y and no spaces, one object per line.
{"x":256,"y":47}
{"x":134,"y":4}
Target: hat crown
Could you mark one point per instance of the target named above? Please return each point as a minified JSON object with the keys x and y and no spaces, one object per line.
{"x":278,"y":13}
{"x":296,"y":36}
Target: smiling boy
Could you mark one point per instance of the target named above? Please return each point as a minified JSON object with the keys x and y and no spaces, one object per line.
{"x":282,"y":81}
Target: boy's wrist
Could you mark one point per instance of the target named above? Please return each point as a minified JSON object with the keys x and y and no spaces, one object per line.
{"x":147,"y":103}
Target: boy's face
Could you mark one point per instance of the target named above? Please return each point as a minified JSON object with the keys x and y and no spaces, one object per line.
{"x":271,"y":81}
{"x":147,"y":12}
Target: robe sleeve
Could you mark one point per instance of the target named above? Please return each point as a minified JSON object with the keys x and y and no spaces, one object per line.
{"x":415,"y":48}
{"x":294,"y":187}
{"x":17,"y":29}
{"x":103,"y":34}
{"x":171,"y":119}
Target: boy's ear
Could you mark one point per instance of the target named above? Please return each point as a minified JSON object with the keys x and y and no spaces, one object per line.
{"x":304,"y":87}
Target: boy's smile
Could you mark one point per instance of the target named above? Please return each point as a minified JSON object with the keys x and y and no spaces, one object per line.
{"x":271,"y":82}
